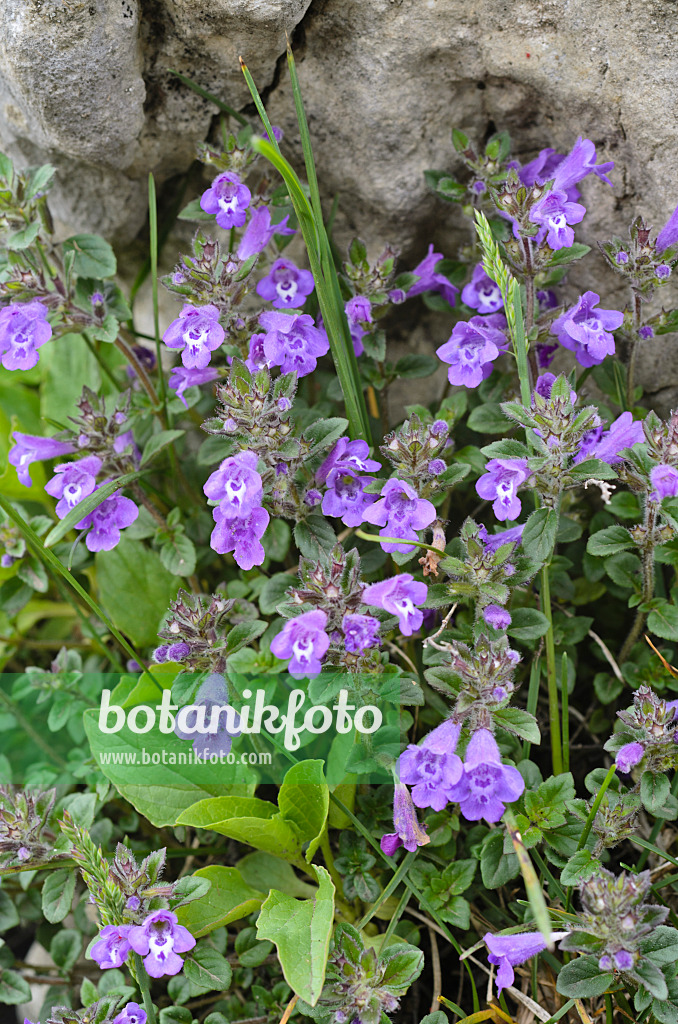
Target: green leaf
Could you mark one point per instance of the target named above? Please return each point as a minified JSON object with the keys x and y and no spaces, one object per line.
{"x":263,"y":871}
{"x":193,"y":211}
{"x":273,"y":592}
{"x":654,"y":791}
{"x":157,"y":442}
{"x":13,"y":988}
{"x":207,"y":970}
{"x":304,"y":800}
{"x":582,"y":978}
{"x":506,"y":449}
{"x":65,"y":948}
{"x":25,"y":237}
{"x":579,"y":868}
{"x":539,"y":534}
{"x":661,"y":945}
{"x":323,"y":433}
{"x":68,"y":365}
{"x":489,"y":419}
{"x":412,"y":366}
{"x":593,"y":469}
{"x":663,"y":621}
{"x":229,"y":899}
{"x":248,"y":820}
{"x":609,"y":541}
{"x":652,"y":978}
{"x":528,"y":624}
{"x":244,"y":634}
{"x":86,"y":506}
{"x":135,"y":589}
{"x":57,"y":895}
{"x":178,"y":555}
{"x":520,"y":723}
{"x":568,"y":254}
{"x":496,"y":867}
{"x":301,"y":931}
{"x":94,"y":257}
{"x":9,"y":915}
{"x":314,"y":535}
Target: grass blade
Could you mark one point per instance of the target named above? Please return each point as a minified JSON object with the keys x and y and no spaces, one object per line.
{"x":50,"y":560}
{"x":319,"y":254}
{"x":532,"y":884}
{"x":225,"y":109}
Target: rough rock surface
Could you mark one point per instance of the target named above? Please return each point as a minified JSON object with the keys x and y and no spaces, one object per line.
{"x":86,"y":84}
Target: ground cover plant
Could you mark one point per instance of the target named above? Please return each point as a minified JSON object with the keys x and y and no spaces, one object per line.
{"x":492,"y":574}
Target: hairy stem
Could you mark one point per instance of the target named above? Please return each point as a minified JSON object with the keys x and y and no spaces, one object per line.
{"x":142,"y":981}
{"x":648,"y":581}
{"x":631,"y":369}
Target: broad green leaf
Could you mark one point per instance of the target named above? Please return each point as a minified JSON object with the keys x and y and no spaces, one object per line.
{"x":9,"y":915}
{"x":304,"y":800}
{"x":609,"y":541}
{"x":663,"y":621}
{"x":661,"y":945}
{"x":13,"y":988}
{"x":68,"y":365}
{"x":496,"y":867}
{"x":157,"y":442}
{"x":263,"y":871}
{"x":57,"y":895}
{"x":229,"y":899}
{"x":654,"y":791}
{"x":583,"y":978}
{"x":94,"y":257}
{"x":301,"y":931}
{"x":207,"y":970}
{"x":520,"y":723}
{"x":249,"y":820}
{"x":135,"y":589}
{"x":528,"y":624}
{"x":539,"y":534}
{"x":314,"y":535}
{"x":489,"y":419}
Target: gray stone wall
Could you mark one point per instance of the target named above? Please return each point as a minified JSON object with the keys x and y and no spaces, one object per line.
{"x":86,"y":84}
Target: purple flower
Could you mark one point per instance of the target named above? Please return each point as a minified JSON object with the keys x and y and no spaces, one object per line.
{"x":197,"y":332}
{"x":23,"y":329}
{"x":29,"y":448}
{"x":429,"y":281}
{"x":23,"y":853}
{"x":547,"y":299}
{"x":242,"y":536}
{"x":360,"y":632}
{"x":133,"y":902}
{"x":72,"y":482}
{"x":580,"y":161}
{"x":507,"y":951}
{"x":177,"y":652}
{"x":432,"y":768}
{"x":256,"y":357}
{"x":487,"y":784}
{"x":106,"y":522}
{"x":400,"y":512}
{"x":501,"y":481}
{"x":496,"y":616}
{"x":345,"y":497}
{"x":624,"y":432}
{"x":312,"y":497}
{"x":622,"y":258}
{"x":181,"y":377}
{"x":160,"y":653}
{"x":663,"y":272}
{"x":305,"y":641}
{"x":236,"y":485}
{"x":213,"y":693}
{"x":131,"y":1014}
{"x":542,"y":168}
{"x":669,"y":233}
{"x":277,"y":133}
{"x":586,"y":331}
{"x":664,"y":479}
{"x":629,"y":756}
{"x":293,"y":343}
{"x":398,"y":596}
{"x":545,"y":353}
{"x":228,"y":199}
{"x":436,"y":467}
{"x":113,"y":946}
{"x":622,"y":960}
{"x":347,"y":456}
{"x":285,"y":285}
{"x":158,"y":940}
{"x":260,"y":231}
{"x":493,"y":541}
{"x":554,"y":214}
{"x":482,"y":293}
{"x":359,"y":311}
{"x":472,"y":348}
{"x":408,"y":831}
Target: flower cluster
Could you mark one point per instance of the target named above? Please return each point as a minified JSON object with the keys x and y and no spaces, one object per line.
{"x":158,"y":940}
{"x":240,"y":519}
{"x":194,"y":631}
{"x":649,"y":736}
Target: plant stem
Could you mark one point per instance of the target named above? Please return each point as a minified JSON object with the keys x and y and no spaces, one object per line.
{"x":630,"y":371}
{"x":142,"y":982}
{"x":648,"y":581}
{"x":591,"y":818}
{"x":144,"y":379}
{"x":554,"y":710}
{"x":529,"y":308}
{"x":329,"y":863}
